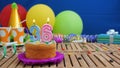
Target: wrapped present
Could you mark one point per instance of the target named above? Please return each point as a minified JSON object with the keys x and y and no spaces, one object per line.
{"x":18,"y":34}
{"x":116,"y":39}
{"x":103,"y":36}
{"x":106,"y":38}
{"x":4,"y":34}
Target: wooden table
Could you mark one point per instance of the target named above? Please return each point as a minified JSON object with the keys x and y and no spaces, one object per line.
{"x":76,"y":55}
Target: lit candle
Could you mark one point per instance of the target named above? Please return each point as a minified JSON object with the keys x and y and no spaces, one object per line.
{"x":37,"y":34}
{"x":47,"y":32}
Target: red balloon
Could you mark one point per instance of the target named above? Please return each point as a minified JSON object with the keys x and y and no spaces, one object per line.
{"x":5,"y":15}
{"x":0,"y":23}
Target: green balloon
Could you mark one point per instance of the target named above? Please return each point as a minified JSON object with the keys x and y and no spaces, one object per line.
{"x":68,"y":22}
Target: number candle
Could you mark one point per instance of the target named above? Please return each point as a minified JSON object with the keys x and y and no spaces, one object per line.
{"x":32,"y":28}
{"x":47,"y":32}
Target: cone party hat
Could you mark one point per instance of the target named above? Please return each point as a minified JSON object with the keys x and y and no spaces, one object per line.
{"x":14,"y":20}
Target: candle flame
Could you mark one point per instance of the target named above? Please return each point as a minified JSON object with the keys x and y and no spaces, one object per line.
{"x":48,"y":19}
{"x":33,"y":20}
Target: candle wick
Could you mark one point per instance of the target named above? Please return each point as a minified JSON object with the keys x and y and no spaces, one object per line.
{"x":34,"y":23}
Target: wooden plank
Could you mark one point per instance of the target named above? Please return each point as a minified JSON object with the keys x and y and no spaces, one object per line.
{"x":73,"y":47}
{"x":90,"y":45}
{"x":5,"y":59}
{"x":69,"y":47}
{"x":96,"y":61}
{"x":56,"y":46}
{"x":114,"y":58}
{"x":28,"y":66}
{"x":89,"y":48}
{"x":36,"y":66}
{"x":111,"y":47}
{"x":6,"y":64}
{"x":82,"y":61}
{"x":98,"y":46}
{"x":104,"y":61}
{"x":20,"y":65}
{"x":88,"y":60}
{"x":61,"y":64}
{"x":116,"y":65}
{"x":52,"y":65}
{"x":59,"y":46}
{"x":116,"y":55}
{"x":108,"y":46}
{"x":74,"y":61}
{"x":84,"y":48}
{"x":67,"y":61}
{"x":63,"y":46}
{"x":78,"y":46}
{"x":14,"y":64}
{"x":114,"y":47}
{"x":118,"y":52}
{"x":93,"y":46}
{"x":45,"y":66}
{"x":105,"y":46}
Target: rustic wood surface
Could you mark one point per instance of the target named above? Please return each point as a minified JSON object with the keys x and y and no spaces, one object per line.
{"x":76,"y":55}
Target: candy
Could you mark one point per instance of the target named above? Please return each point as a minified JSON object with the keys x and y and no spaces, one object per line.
{"x":111,"y":53}
{"x":79,"y":58}
{"x":118,"y":48}
{"x":63,"y":49}
{"x":89,"y":52}
{"x":104,"y":48}
{"x":111,"y":60}
{"x":97,"y":49}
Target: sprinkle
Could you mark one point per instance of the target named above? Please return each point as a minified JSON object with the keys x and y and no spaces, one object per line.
{"x":118,"y":48}
{"x":10,"y":49}
{"x":63,"y":49}
{"x":104,"y":48}
{"x":97,"y":49}
{"x":111,"y":60}
{"x":47,"y":42}
{"x":79,"y":58}
{"x":89,"y":52}
{"x":108,"y":44}
{"x":101,"y":45}
{"x":84,"y":46}
{"x":111,"y":52}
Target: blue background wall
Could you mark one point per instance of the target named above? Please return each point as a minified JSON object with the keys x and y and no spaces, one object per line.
{"x":98,"y":15}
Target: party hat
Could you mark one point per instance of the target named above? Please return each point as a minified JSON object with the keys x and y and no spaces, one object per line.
{"x":14,"y":20}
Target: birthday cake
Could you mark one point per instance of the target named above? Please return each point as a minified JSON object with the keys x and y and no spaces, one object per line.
{"x":40,"y":50}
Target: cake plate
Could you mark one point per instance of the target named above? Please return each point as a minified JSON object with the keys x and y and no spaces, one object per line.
{"x":58,"y":58}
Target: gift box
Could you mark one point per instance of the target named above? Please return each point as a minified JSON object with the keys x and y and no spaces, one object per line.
{"x":116,"y":39}
{"x":4,"y":34}
{"x":18,"y":35}
{"x":105,"y":38}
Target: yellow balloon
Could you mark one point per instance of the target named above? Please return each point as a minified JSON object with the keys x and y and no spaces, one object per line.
{"x":40,"y":13}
